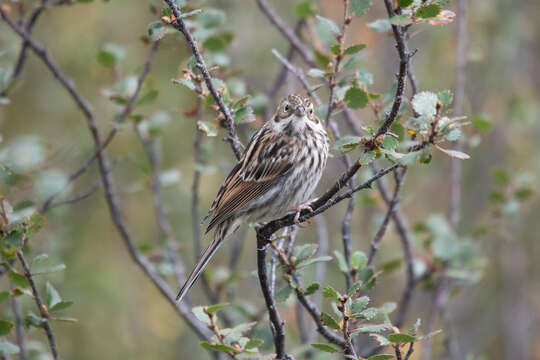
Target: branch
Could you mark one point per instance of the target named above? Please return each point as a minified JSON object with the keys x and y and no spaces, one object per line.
{"x":110,"y":193}
{"x":375,"y":243}
{"x":16,"y":305}
{"x":40,"y":305}
{"x":276,"y":324}
{"x":180,"y":25}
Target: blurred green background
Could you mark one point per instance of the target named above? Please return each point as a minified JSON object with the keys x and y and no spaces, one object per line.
{"x":122,"y":316}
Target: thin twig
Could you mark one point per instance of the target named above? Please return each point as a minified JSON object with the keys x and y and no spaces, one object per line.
{"x":299,"y":74}
{"x":40,"y":305}
{"x":375,"y":243}
{"x":180,"y":25}
{"x":73,"y":199}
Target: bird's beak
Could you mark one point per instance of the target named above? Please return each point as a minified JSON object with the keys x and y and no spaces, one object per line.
{"x":300,"y":111}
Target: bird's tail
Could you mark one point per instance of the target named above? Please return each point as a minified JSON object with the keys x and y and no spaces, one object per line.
{"x":221,"y":232}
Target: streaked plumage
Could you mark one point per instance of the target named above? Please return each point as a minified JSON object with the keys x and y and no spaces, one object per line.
{"x":277,"y":174}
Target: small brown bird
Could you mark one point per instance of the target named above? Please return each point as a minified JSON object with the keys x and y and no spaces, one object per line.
{"x":277,"y":174}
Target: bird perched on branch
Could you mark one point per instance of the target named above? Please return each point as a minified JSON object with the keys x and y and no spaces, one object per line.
{"x":277,"y":174}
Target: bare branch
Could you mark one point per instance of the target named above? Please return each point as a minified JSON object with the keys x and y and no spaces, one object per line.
{"x":179,"y":24}
{"x":375,"y":243}
{"x":19,"y":330}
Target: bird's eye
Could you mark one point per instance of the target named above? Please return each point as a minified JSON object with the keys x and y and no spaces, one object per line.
{"x":287,"y":107}
{"x":310,"y":111}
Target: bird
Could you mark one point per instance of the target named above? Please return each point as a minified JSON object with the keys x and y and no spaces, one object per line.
{"x":277,"y":174}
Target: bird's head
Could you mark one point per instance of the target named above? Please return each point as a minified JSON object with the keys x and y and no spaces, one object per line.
{"x":293,"y":114}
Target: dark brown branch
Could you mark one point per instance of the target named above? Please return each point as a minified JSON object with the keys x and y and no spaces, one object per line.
{"x":180,"y":25}
{"x":40,"y":305}
{"x":276,"y":324}
{"x":110,"y":193}
{"x":405,"y":55}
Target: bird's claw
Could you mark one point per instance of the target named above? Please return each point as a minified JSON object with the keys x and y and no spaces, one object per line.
{"x":298,"y":210}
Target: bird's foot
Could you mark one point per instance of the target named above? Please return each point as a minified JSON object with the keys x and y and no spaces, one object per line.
{"x":299,"y":209}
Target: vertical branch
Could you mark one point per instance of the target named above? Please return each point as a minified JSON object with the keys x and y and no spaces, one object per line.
{"x":459,"y":96}
{"x":40,"y":305}
{"x":276,"y":324}
{"x":341,"y":40}
{"x":19,"y":330}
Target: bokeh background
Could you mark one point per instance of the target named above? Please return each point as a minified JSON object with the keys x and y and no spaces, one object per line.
{"x":120,"y":313}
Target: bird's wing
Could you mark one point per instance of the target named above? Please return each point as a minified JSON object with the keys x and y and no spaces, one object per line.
{"x":267,"y":158}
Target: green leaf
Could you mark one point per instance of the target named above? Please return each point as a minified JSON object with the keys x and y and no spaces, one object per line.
{"x":33,"y":320}
{"x":253,"y":343}
{"x":369,"y":313}
{"x":400,"y":20}
{"x":325,"y":348}
{"x":110,"y":55}
{"x":356,"y":98}
{"x":219,"y":42}
{"x":304,"y":252}
{"x":156,"y":31}
{"x":358,"y":260}
{"x":7,"y":348}
{"x":243,"y":115}
{"x":453,"y":135}
{"x":283,"y":294}
{"x":336,"y":49}
{"x":207,"y":128}
{"x":149,"y":97}
{"x":501,"y":177}
{"x":360,"y":7}
{"x":454,"y":153}
{"x":445,"y":97}
{"x":381,"y":357}
{"x":212,"y":309}
{"x":330,"y":292}
{"x":401,"y":338}
{"x":218,"y":347}
{"x":314,"y":260}
{"x":482,"y":124}
{"x":366,"y":329}
{"x":354,"y":288}
{"x":359,"y":304}
{"x":367,"y":157}
{"x":380,"y":25}
{"x":323,"y":60}
{"x":5,"y":327}
{"x":410,"y":158}
{"x":405,"y":3}
{"x":428,"y":11}
{"x":19,"y":280}
{"x":523,"y":194}
{"x":306,"y":9}
{"x":61,"y":306}
{"x":241,"y":103}
{"x":311,"y":289}
{"x":199,"y":313}
{"x":328,"y":24}
{"x":341,"y":261}
{"x":425,"y":103}
{"x":329,"y":321}
{"x":211,"y":18}
{"x":52,"y":269}
{"x":347,"y":144}
{"x":354,"y":49}
{"x":53,"y":297}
